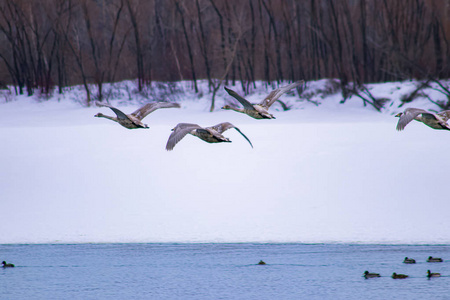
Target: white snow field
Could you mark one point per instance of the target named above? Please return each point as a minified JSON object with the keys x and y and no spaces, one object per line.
{"x":335,"y":172}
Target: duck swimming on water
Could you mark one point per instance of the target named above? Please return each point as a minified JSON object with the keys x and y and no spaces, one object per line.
{"x":434,"y":259}
{"x":367,"y":274}
{"x":5,"y":265}
{"x":409,"y":260}
{"x":399,"y":276}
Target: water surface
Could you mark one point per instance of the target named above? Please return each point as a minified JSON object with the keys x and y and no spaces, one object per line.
{"x":221,"y":271}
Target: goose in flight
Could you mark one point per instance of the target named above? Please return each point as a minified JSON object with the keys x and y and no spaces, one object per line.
{"x":134,"y":120}
{"x":261,"y":110}
{"x":211,"y":134}
{"x":435,"y":121}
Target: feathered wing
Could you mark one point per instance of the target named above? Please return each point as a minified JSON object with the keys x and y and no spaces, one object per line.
{"x":437,"y":118}
{"x":222,"y":127}
{"x":244,"y":102}
{"x":408,"y":116}
{"x":445,"y":115}
{"x":179,"y":132}
{"x":244,"y":136}
{"x":277,"y":93}
{"x":119,"y":113}
{"x":148,"y":108}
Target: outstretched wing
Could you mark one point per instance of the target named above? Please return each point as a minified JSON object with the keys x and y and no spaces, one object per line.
{"x":151,"y":107}
{"x":244,"y":136}
{"x":220,"y":128}
{"x":409,"y":115}
{"x":244,"y":102}
{"x":119,"y":113}
{"x":179,"y":132}
{"x":275,"y":94}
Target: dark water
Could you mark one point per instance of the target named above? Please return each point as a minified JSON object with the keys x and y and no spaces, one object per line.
{"x":221,"y":271}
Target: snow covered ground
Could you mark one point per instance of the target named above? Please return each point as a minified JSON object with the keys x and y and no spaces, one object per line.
{"x":327,"y":173}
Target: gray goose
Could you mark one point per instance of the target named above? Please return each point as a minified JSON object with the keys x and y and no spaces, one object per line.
{"x":134,"y":120}
{"x":211,"y":134}
{"x":435,"y":121}
{"x":261,"y":110}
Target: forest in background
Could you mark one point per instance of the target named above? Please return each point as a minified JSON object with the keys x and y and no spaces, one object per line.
{"x":51,"y":44}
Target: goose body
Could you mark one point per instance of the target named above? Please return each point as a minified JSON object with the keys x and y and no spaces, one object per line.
{"x":399,"y":276}
{"x":211,"y":134}
{"x":134,"y":120}
{"x":5,"y":265}
{"x":409,"y":261}
{"x":435,"y":121}
{"x":261,"y":262}
{"x":434,"y":259}
{"x":261,"y":110}
{"x":370,"y":275}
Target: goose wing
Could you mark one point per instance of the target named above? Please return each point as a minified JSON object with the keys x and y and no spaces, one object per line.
{"x":408,"y":115}
{"x":222,"y":127}
{"x":244,"y":102}
{"x":179,"y":132}
{"x":277,"y":93}
{"x":119,"y":113}
{"x":151,"y":107}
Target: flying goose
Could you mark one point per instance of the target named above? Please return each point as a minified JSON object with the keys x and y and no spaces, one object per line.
{"x":133,"y":120}
{"x":370,"y":275}
{"x":5,"y":265}
{"x":435,"y":121}
{"x":211,"y":134}
{"x":429,"y":274}
{"x":260,"y":111}
{"x":399,"y":276}
{"x":409,"y":261}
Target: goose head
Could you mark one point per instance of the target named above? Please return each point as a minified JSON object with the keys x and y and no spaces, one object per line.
{"x":399,"y":115}
{"x":226,"y":107}
{"x":99,"y":115}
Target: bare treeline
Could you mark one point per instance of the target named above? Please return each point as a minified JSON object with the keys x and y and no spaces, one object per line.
{"x":46,"y":44}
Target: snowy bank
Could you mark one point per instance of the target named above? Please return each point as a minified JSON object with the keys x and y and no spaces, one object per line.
{"x":327,"y":173}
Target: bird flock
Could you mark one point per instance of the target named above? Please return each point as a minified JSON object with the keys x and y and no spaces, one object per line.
{"x":407,"y":260}
{"x":214,"y":134}
{"x":211,"y":134}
